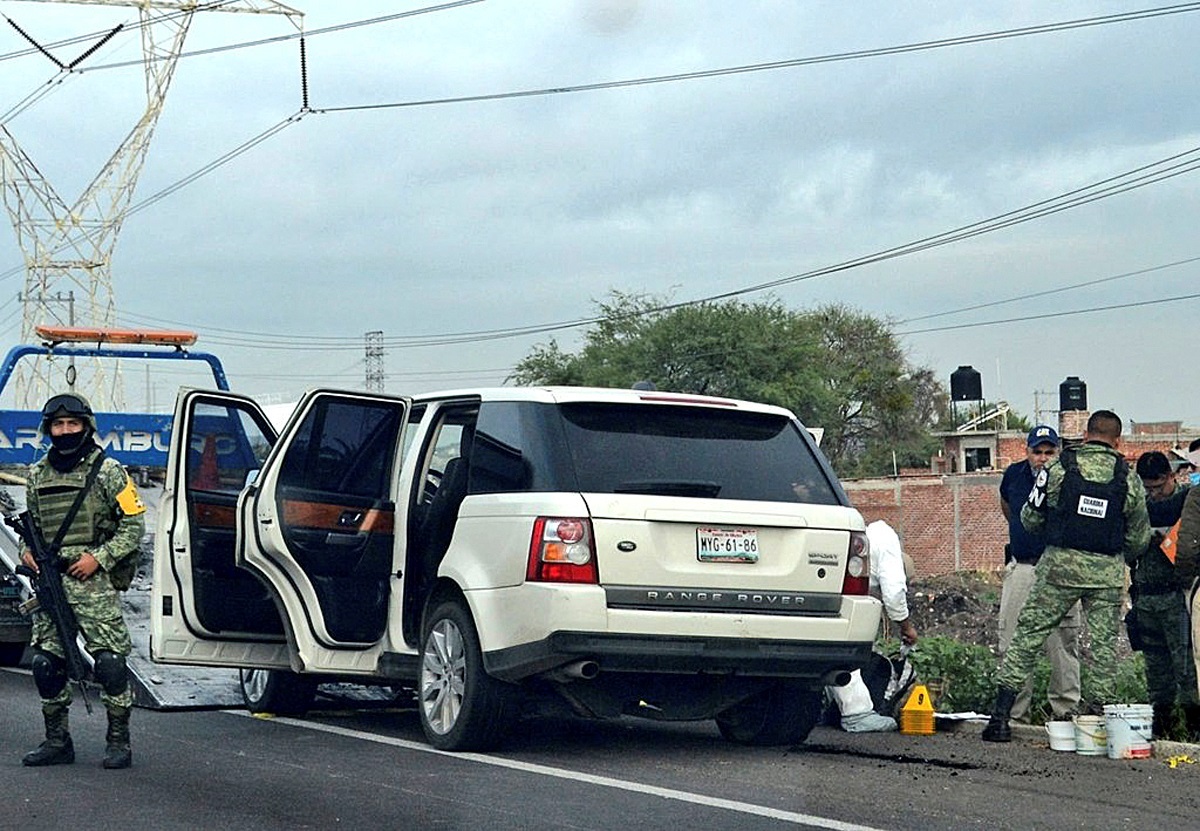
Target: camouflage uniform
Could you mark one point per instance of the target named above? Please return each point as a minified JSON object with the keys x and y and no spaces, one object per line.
{"x":110,"y":525}
{"x":1187,"y":562}
{"x":1160,"y":606}
{"x":1065,"y":575}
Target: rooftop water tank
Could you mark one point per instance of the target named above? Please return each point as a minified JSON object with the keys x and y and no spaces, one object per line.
{"x":966,"y":384}
{"x":1072,"y":394}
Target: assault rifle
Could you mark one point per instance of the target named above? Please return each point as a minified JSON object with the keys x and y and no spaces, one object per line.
{"x":51,"y":598}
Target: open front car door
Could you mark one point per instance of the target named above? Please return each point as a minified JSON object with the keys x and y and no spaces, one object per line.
{"x":319,"y":526}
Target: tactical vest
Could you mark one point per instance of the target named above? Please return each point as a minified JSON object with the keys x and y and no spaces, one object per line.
{"x":94,"y":524}
{"x":1089,"y":516}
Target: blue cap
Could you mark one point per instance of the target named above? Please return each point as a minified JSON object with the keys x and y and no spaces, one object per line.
{"x":1042,"y":434}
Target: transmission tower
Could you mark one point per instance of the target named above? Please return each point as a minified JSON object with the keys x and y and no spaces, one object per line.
{"x":375,"y":376}
{"x":69,"y":247}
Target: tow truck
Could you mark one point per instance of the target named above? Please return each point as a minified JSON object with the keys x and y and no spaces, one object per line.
{"x":137,"y":440}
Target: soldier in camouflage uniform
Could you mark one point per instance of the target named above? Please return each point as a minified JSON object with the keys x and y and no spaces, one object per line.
{"x":103,"y":536}
{"x":1092,"y":511}
{"x":1161,"y":623}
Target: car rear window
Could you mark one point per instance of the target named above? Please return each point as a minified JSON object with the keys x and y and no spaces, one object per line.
{"x":646,"y":449}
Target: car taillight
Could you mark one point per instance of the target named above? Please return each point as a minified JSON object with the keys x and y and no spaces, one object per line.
{"x":858,"y":565}
{"x":562,"y":551}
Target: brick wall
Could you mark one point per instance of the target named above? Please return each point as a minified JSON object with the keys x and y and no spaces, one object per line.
{"x":946,"y":523}
{"x":951,"y":521}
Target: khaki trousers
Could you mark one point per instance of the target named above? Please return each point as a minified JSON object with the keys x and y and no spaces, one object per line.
{"x":1194,"y":609}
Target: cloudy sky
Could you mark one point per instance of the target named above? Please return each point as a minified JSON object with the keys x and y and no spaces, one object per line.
{"x":395,"y":205}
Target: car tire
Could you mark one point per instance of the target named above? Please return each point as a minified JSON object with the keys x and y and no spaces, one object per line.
{"x":10,"y":654}
{"x":461,"y":706}
{"x":782,"y":714}
{"x":277,"y":691}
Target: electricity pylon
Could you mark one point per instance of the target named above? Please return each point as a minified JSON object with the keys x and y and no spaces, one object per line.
{"x":70,"y":246}
{"x":375,"y":377}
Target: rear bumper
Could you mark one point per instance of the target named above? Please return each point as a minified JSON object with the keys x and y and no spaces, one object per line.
{"x":676,"y":655}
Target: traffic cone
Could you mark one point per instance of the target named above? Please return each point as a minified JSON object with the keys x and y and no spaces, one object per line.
{"x":207,"y":472}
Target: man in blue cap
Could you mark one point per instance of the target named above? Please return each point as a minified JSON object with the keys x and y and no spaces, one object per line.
{"x":1021,"y":555}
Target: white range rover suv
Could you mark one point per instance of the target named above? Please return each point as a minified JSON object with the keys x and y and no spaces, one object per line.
{"x":514,"y":550}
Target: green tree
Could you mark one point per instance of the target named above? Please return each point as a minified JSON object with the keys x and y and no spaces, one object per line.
{"x":834,"y":367}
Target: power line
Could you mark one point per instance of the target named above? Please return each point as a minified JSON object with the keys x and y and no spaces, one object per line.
{"x":1157,"y":171}
{"x":1081,"y":196}
{"x":248,"y":44}
{"x":962,"y":40}
{"x":1047,"y":292}
{"x":1056,"y":314}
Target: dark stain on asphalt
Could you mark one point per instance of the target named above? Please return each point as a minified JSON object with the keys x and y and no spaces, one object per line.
{"x":901,"y":758}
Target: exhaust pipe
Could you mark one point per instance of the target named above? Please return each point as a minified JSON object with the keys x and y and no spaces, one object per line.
{"x":836,"y":678}
{"x":583,"y":670}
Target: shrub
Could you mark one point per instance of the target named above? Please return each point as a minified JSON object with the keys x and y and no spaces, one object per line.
{"x":962,"y":677}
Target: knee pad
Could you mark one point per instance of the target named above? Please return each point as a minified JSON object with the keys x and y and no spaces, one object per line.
{"x":49,"y":673}
{"x":111,"y":672}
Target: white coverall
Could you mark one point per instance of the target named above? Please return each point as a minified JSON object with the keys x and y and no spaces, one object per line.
{"x":888,"y":578}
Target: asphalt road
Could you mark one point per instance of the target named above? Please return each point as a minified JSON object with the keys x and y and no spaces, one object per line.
{"x":369,"y":769}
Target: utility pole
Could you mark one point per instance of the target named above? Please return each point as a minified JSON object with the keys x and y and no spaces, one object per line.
{"x":374,"y":362}
{"x":1037,"y":406}
{"x":72,"y":244}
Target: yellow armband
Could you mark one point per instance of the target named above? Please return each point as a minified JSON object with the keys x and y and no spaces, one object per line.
{"x":129,"y":500}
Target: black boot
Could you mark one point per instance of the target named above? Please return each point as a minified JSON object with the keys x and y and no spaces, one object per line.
{"x":58,"y":749}
{"x":116,"y":741}
{"x":997,"y":729}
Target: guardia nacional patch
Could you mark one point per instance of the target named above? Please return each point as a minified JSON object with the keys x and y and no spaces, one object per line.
{"x":130,"y":501}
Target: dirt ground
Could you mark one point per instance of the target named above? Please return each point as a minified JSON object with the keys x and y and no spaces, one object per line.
{"x":964,"y":605}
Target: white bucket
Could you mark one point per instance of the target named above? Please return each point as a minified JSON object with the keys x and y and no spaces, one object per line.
{"x":1062,"y":735}
{"x":1090,"y":736}
{"x":1129,"y":728}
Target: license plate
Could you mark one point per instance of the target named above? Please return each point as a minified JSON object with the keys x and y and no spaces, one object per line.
{"x":727,"y":545}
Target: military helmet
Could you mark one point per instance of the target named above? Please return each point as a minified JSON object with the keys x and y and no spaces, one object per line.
{"x":67,"y":405}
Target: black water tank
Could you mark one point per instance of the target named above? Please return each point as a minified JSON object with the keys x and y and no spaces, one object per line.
{"x":966,"y":384}
{"x":1072,"y":394}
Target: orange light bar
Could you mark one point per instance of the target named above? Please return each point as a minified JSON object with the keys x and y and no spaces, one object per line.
{"x":83,"y":334}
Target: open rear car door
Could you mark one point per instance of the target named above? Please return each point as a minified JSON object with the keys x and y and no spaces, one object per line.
{"x":204,"y":608}
{"x":303,"y":578}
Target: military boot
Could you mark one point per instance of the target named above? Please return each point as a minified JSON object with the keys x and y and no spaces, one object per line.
{"x":116,"y":748}
{"x":997,"y":729}
{"x":57,"y":749}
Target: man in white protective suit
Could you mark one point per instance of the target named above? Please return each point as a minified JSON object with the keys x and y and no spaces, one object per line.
{"x":889,"y":579}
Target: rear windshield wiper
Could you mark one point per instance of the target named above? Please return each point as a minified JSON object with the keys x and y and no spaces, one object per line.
{"x":664,"y":487}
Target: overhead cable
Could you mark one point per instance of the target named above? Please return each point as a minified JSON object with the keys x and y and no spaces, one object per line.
{"x":1047,"y":292}
{"x":962,"y":40}
{"x":1138,"y":177}
{"x":339,"y":27}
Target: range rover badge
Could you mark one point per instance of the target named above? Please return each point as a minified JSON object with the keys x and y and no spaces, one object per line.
{"x":626,"y":546}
